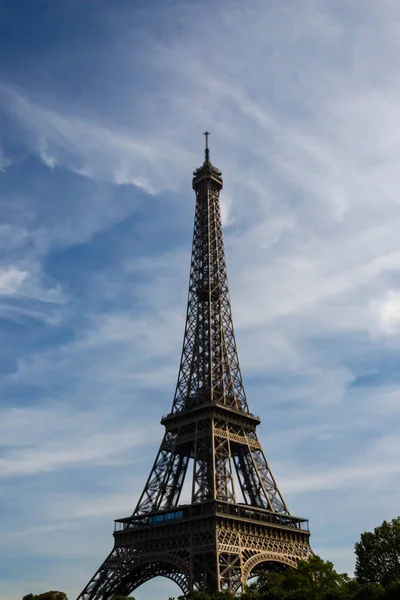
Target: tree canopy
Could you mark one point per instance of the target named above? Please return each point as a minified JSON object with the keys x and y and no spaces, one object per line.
{"x":52,"y":595}
{"x":378,"y":554}
{"x":313,"y":579}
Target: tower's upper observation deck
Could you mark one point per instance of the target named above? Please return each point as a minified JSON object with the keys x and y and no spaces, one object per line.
{"x":207,"y":171}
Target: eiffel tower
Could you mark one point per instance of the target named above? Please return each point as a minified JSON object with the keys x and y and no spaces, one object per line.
{"x":237,"y":520}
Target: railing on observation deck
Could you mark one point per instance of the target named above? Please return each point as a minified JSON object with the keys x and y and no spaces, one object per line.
{"x":200,"y":404}
{"x":238,"y":511}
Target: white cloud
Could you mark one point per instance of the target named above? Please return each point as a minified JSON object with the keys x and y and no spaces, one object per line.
{"x":355,"y":475}
{"x":47,"y":159}
{"x":387,"y":311}
{"x":11,"y":280}
{"x":53,"y":437}
{"x":24,"y":294}
{"x":94,"y":150}
{"x":4,"y":161}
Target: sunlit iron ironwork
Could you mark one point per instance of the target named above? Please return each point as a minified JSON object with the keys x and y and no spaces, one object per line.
{"x":214,"y":542}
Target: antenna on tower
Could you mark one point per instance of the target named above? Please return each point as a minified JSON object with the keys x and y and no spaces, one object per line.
{"x":207,"y":151}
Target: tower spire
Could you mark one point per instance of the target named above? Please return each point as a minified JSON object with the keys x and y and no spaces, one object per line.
{"x":206,"y":151}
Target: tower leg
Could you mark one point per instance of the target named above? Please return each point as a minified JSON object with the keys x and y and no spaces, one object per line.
{"x":122,"y":572}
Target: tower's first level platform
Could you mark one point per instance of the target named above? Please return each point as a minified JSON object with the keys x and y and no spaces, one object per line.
{"x":209,"y":546}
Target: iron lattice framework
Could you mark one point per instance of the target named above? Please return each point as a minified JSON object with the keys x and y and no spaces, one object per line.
{"x":213,"y":542}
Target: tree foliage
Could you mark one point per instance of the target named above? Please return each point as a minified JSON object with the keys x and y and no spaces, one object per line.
{"x":378,"y":554}
{"x":52,"y":595}
{"x":314,"y":579}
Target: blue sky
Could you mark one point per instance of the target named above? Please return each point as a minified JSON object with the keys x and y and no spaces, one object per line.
{"x":102,"y":106}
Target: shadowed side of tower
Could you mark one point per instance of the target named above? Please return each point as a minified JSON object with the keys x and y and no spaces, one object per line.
{"x":236,"y":519}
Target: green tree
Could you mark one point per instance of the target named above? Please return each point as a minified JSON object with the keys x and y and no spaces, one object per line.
{"x":52,"y":595}
{"x":314,"y":579}
{"x":393,"y":591}
{"x":205,"y":596}
{"x":378,"y":554}
{"x":370,"y":591}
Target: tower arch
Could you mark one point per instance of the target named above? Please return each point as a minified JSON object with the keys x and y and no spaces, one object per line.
{"x":164,"y":566}
{"x":264,"y":558}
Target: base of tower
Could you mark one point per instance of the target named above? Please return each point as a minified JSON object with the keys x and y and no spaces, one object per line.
{"x":211,"y":546}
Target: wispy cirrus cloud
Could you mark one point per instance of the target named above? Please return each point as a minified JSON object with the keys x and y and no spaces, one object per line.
{"x":4,"y":161}
{"x":92,"y":149}
{"x":387,"y":311}
{"x":11,"y":280}
{"x":50,"y":438}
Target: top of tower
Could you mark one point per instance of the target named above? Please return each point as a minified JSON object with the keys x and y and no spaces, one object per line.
{"x":207,"y":170}
{"x":206,"y":151}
